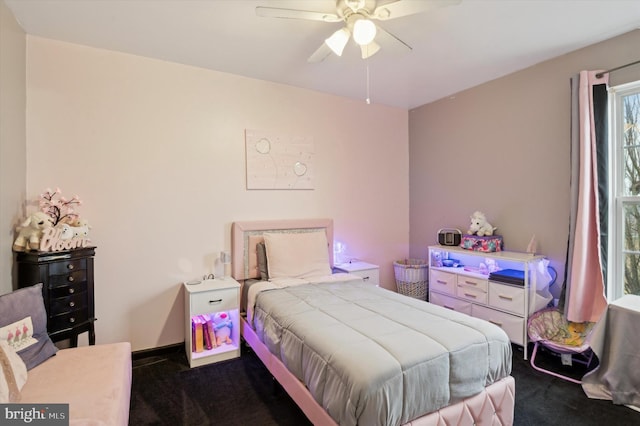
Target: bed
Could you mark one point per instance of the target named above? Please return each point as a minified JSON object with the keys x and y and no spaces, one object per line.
{"x":351,"y":353}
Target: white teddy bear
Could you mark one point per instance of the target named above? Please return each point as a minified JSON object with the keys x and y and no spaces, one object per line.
{"x":479,"y":225}
{"x":30,"y":231}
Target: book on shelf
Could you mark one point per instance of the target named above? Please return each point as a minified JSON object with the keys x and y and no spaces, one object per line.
{"x":199,"y":336}
{"x":209,"y":333}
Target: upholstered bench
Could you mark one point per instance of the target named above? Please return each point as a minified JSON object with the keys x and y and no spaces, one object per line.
{"x":94,"y":380}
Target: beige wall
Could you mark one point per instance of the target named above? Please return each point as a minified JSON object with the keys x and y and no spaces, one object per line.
{"x":503,"y":148}
{"x":13,"y":170}
{"x":156,"y":152}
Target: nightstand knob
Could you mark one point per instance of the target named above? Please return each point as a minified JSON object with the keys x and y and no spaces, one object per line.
{"x":70,"y":279}
{"x":72,"y":290}
{"x":72,"y":319}
{"x":70,"y":266}
{"x":72,"y":304}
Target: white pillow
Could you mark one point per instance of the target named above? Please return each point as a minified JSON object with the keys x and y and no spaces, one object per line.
{"x":298,"y":254}
{"x":13,"y":374}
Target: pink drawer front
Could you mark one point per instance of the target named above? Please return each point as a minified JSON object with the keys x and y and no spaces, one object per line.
{"x":443,"y":282}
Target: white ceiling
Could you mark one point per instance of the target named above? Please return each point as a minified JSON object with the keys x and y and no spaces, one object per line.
{"x":454,"y":47}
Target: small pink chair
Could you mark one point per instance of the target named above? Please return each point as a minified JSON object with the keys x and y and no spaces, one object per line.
{"x":550,"y":328}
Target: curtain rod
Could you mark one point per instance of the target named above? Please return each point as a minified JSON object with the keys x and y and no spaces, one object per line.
{"x":600,"y":74}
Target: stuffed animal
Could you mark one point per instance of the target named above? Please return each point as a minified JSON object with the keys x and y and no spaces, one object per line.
{"x":30,"y":231}
{"x":479,"y":225}
{"x":222,"y":327}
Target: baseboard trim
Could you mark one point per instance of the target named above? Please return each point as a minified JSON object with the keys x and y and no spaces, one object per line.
{"x":159,"y":351}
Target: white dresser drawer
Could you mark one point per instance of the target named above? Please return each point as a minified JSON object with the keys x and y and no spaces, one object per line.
{"x":214,"y":301}
{"x":472,"y":289}
{"x":506,"y":297}
{"x":443,"y":282}
{"x":511,"y":324}
{"x":450,"y":303}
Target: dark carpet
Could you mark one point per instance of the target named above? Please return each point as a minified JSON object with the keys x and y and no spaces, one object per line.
{"x":165,"y":391}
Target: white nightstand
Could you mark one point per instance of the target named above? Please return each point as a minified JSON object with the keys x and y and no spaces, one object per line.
{"x":370,"y":273}
{"x":207,"y":298}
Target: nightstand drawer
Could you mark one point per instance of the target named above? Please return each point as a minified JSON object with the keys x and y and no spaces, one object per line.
{"x":506,"y":297}
{"x":214,"y":301}
{"x":443,"y":282}
{"x":68,"y":320}
{"x":66,"y":304}
{"x":72,"y":277}
{"x":68,"y":290}
{"x":371,"y":276}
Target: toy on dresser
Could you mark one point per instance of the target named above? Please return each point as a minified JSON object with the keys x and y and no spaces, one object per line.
{"x":222,"y":326}
{"x":30,"y":231}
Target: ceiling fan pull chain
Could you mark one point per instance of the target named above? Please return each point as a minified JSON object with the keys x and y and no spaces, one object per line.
{"x":368,"y":83}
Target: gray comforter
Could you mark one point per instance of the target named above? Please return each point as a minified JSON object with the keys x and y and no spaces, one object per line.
{"x":373,"y":357}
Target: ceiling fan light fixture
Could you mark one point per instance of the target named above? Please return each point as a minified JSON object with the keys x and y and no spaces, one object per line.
{"x":364,"y":31}
{"x":338,"y":41}
{"x":369,"y":50}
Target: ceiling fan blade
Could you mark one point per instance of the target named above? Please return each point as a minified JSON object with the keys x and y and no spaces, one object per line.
{"x":320,"y":54}
{"x":399,"y":8}
{"x":276,"y":12}
{"x":387,"y":39}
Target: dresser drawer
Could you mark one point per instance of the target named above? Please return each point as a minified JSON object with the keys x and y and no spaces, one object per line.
{"x":450,"y":303}
{"x":214,"y":301}
{"x":71,"y":277}
{"x":472,"y":289}
{"x":63,"y":267}
{"x":511,"y":324}
{"x":68,"y":289}
{"x":506,"y":297}
{"x":70,"y":303}
{"x":443,"y":282}
{"x":67,"y":320}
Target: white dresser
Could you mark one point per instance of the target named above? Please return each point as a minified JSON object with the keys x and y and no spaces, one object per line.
{"x":466,"y":287}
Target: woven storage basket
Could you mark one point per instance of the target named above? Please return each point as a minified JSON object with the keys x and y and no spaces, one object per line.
{"x":411,"y":277}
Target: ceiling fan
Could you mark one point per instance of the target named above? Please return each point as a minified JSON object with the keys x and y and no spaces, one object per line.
{"x":358,"y":17}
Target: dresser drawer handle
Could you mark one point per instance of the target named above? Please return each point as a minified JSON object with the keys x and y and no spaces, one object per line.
{"x":72,"y":304}
{"x":70,"y":279}
{"x":471,"y":282}
{"x":501,"y":296}
{"x":441,"y":282}
{"x":70,"y":266}
{"x":473,"y":296}
{"x":499,"y":324}
{"x":448,"y":307}
{"x":214,"y":302}
{"x":365,"y":278}
{"x":72,"y":320}
{"x":72,"y":290}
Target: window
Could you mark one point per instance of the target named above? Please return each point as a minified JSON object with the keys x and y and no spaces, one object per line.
{"x":624,"y":235}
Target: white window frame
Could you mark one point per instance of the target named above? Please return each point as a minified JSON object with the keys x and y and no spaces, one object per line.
{"x":615,"y":269}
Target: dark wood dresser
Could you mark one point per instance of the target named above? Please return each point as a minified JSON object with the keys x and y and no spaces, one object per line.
{"x":67,"y":288}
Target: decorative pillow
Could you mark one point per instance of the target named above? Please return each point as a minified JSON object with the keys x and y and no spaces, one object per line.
{"x":16,"y":310}
{"x":13,"y":374}
{"x":297,"y":255}
{"x":262,"y":261}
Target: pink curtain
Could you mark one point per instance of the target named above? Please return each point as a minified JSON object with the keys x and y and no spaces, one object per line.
{"x":585,"y":297}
